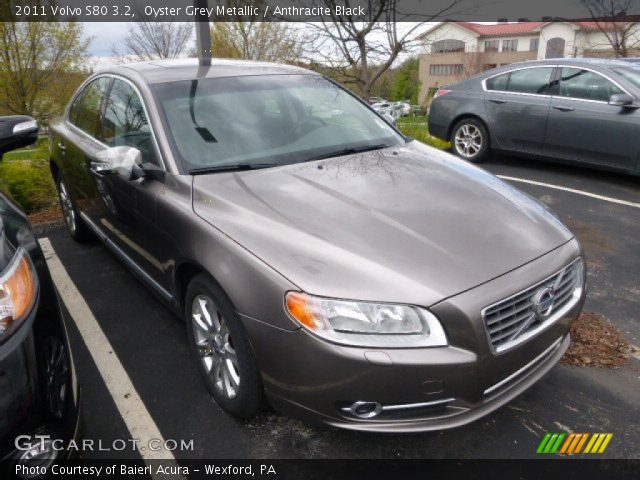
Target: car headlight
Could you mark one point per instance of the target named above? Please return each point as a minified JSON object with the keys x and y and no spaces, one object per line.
{"x":18,"y":290}
{"x":365,"y":324}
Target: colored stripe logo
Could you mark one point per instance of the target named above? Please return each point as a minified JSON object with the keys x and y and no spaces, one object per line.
{"x":574,"y":443}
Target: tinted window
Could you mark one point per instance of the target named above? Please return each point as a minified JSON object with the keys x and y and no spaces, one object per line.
{"x":125,"y":122}
{"x":498,"y":82}
{"x":632,"y":75}
{"x":530,"y":80}
{"x":73,"y":110}
{"x":585,"y":84}
{"x":87,"y":117}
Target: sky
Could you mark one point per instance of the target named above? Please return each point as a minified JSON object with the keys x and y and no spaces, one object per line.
{"x":104,"y":35}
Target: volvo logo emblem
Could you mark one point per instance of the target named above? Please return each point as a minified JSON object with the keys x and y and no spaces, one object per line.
{"x":543,"y":302}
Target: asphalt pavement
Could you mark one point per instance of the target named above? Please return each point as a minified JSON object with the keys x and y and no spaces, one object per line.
{"x":151,"y":346}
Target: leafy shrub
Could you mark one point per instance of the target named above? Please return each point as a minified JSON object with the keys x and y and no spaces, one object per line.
{"x":26,"y":175}
{"x":418,"y":130}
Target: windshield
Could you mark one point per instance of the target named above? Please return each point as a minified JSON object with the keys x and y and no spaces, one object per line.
{"x":630,"y":74}
{"x":266,"y":120}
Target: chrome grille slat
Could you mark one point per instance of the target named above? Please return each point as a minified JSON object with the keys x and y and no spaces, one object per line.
{"x":513,"y":321}
{"x":506,"y":314}
{"x":518,"y":315}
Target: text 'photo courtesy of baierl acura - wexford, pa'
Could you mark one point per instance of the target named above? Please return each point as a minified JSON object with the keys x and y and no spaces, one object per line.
{"x":319,"y":239}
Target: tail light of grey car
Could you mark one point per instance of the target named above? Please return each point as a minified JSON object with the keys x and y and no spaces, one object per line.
{"x":440,"y":92}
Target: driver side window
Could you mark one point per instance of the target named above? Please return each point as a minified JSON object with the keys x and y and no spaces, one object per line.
{"x":125,"y":122}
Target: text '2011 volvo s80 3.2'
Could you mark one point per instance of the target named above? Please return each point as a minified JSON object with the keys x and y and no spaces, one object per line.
{"x":321,"y":260}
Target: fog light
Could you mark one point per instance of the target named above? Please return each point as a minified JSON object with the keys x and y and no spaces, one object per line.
{"x":362,"y":409}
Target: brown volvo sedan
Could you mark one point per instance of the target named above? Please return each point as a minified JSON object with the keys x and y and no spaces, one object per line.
{"x":321,"y":260}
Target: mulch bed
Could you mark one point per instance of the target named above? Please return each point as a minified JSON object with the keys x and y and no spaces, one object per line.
{"x":595,"y":342}
{"x":52,"y":214}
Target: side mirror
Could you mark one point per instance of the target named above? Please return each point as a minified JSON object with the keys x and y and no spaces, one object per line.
{"x":17,"y":131}
{"x":123,"y":161}
{"x":621,"y":100}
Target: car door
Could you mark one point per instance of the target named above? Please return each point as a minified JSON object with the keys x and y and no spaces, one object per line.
{"x":517,"y":107}
{"x":584,"y":128}
{"x":76,"y":142}
{"x":127,"y":210}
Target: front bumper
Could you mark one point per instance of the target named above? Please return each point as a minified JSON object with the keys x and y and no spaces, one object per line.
{"x":421,"y":417}
{"x":418,"y":389}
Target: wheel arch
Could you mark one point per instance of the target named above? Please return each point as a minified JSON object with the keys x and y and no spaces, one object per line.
{"x":186,"y":271}
{"x":462,"y":116}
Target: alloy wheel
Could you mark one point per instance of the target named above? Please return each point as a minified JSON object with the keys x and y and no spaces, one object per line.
{"x":55,"y":371}
{"x":468,"y":140}
{"x":215,"y":345}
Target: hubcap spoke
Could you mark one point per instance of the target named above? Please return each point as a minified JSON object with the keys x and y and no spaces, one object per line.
{"x":468,"y":140}
{"x":214,"y":345}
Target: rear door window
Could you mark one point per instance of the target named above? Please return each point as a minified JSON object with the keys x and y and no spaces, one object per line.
{"x":528,"y":80}
{"x":499,"y":82}
{"x":586,"y":85}
{"x":86,"y":116}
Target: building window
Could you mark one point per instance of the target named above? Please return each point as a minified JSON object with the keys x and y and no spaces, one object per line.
{"x":446,"y":70}
{"x":510,"y":45}
{"x":489,"y":66}
{"x":533,"y":44}
{"x":491,"y":45}
{"x":447,"y":46}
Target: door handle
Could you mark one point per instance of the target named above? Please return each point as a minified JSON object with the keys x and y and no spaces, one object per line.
{"x":563,"y":108}
{"x":499,"y":101}
{"x":62,"y":148}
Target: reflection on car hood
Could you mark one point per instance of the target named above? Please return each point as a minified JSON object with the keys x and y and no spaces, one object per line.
{"x":410,"y":224}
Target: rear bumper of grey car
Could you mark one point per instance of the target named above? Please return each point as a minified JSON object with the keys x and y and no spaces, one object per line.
{"x":415,"y":389}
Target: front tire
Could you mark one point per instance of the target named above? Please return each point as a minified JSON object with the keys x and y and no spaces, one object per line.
{"x":470,"y":140}
{"x":221,"y":349}
{"x":75,"y":226}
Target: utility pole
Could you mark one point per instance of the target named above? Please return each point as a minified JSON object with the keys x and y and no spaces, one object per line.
{"x":203,"y":34}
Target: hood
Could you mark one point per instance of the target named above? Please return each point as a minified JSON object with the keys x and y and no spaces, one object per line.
{"x":407,"y":225}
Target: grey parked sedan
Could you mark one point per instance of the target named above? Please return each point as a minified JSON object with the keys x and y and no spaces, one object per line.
{"x":320,"y":260}
{"x":579,"y":111}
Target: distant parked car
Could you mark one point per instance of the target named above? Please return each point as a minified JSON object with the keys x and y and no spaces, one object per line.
{"x":381,"y":107}
{"x":404,"y":108}
{"x":374,"y":100}
{"x":579,"y":111}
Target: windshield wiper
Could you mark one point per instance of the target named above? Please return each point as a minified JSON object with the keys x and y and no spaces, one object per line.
{"x":350,"y":151}
{"x":233,"y":167}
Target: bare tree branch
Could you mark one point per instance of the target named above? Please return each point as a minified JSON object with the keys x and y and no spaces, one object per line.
{"x":362,"y":48}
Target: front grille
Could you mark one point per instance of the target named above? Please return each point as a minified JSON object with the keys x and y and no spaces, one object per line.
{"x":523,"y":315}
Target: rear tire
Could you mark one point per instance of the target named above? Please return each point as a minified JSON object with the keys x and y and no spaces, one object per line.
{"x":75,"y":226}
{"x":470,"y":140}
{"x":221,"y":349}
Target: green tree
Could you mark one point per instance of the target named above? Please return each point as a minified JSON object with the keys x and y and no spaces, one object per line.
{"x":407,"y":82}
{"x":37,"y":59}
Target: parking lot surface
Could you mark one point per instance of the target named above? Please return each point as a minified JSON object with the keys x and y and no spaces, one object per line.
{"x":150,"y":344}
